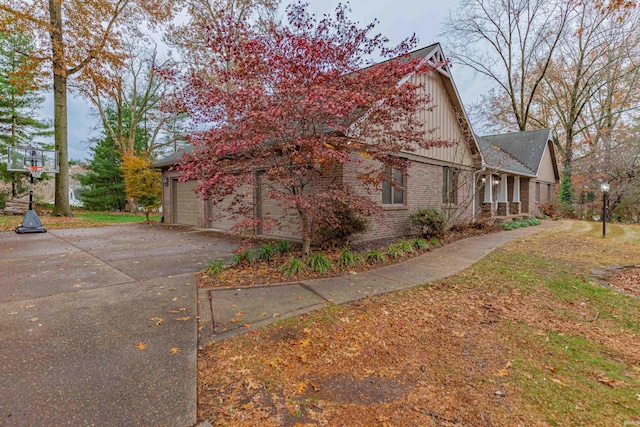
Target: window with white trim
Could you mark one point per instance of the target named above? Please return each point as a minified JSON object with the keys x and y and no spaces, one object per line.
{"x":449,"y":185}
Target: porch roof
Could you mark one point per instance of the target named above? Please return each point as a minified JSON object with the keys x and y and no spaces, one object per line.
{"x":519,"y":153}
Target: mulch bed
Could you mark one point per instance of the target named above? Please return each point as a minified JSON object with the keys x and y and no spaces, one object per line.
{"x":267,"y":272}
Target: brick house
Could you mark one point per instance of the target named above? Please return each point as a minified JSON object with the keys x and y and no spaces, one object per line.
{"x":446,"y":178}
{"x":520,"y":173}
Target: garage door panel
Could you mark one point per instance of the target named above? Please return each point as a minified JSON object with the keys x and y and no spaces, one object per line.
{"x":187,"y":205}
{"x":221,"y":218}
{"x":288,"y":222}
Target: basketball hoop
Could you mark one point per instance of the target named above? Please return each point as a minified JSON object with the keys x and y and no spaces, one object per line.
{"x":36,"y":161}
{"x":36,"y":171}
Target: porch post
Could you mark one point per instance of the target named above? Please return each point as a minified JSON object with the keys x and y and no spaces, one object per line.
{"x":488,"y":188}
{"x":502,"y":209}
{"x":514,"y":205}
{"x":486,"y":210}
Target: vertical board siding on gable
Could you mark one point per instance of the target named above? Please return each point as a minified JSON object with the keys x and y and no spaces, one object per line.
{"x":442,"y":119}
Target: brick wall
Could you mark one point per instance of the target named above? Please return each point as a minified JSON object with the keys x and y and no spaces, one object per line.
{"x":545,"y":197}
{"x":423,"y":189}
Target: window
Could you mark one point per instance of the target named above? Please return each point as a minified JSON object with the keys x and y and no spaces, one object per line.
{"x":449,"y":186}
{"x":537,"y":191}
{"x":548,"y":192}
{"x":393,"y":195}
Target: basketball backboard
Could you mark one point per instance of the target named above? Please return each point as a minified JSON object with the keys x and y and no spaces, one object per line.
{"x":21,"y":158}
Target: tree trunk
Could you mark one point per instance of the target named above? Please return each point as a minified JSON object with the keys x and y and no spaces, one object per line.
{"x":306,"y":234}
{"x":131,"y":205}
{"x":61,"y":207}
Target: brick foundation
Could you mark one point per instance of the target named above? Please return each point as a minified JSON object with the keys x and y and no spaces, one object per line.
{"x":502,"y":209}
{"x":486,"y":210}
{"x":514,"y":208}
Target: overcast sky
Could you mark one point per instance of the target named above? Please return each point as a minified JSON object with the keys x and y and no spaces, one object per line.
{"x":398,"y":19}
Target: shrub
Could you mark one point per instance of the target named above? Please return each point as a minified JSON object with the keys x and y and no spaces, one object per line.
{"x":5,"y":196}
{"x":549,"y":209}
{"x":244,"y":257}
{"x":375,"y":256}
{"x":420,"y":243}
{"x":432,"y":222}
{"x":395,"y":250}
{"x":567,"y":210}
{"x":214,"y":267}
{"x":284,"y":246}
{"x":293,"y":267}
{"x":319,"y":263}
{"x":337,"y":227}
{"x":266,"y":252}
{"x":348,"y":258}
{"x":435,"y":242}
{"x":407,"y":246}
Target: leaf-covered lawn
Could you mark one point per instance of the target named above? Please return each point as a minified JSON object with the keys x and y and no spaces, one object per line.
{"x":524,"y":337}
{"x":80,"y":219}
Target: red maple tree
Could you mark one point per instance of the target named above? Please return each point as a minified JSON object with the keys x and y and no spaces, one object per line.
{"x":298,"y":105}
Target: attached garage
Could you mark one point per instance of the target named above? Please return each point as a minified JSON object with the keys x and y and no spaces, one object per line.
{"x":185,"y":203}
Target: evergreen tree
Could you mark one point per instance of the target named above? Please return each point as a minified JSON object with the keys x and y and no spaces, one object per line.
{"x":104,"y":182}
{"x":19,"y":100}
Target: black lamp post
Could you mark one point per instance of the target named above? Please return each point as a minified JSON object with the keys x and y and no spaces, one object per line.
{"x":605,"y":190}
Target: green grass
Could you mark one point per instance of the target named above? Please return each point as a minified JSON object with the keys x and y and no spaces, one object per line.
{"x":109,"y":217}
{"x":609,"y":305}
{"x":574,"y":379}
{"x":78,"y":220}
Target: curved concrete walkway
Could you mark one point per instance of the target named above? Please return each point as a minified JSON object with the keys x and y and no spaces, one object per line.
{"x":234,"y":311}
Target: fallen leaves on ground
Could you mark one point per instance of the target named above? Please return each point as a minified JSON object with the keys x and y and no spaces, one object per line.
{"x":627,"y":280}
{"x":141,"y":346}
{"x":498,"y":344}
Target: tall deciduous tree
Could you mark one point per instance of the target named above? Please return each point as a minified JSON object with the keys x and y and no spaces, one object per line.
{"x":591,"y":83}
{"x":74,"y":34}
{"x":191,"y":37}
{"x":20,"y":97}
{"x":134,"y":93}
{"x":104,"y":182}
{"x":298,"y":105}
{"x":511,"y":42}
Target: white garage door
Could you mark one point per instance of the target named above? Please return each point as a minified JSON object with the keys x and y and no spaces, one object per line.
{"x":186,"y":204}
{"x":288,"y":227}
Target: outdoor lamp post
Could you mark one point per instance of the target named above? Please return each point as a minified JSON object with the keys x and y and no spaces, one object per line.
{"x":605,"y":190}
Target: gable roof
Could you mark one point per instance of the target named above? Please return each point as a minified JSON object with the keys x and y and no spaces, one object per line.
{"x":437,"y":61}
{"x":518,"y":152}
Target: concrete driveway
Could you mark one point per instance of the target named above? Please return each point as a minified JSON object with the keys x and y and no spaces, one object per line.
{"x":98,"y":326}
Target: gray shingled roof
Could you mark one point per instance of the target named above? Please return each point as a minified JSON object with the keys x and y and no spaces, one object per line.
{"x":172,"y":159}
{"x":515,"y":152}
